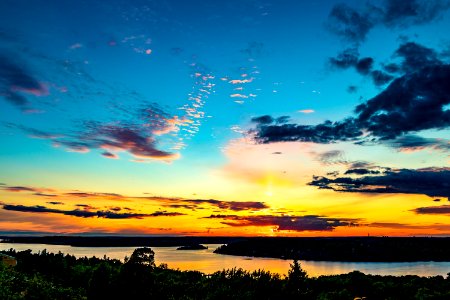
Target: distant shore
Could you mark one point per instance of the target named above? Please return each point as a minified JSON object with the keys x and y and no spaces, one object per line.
{"x":344,"y":249}
{"x":350,"y":249}
{"x":117,"y":241}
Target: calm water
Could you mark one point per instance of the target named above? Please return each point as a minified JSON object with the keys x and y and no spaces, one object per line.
{"x":208,"y":262}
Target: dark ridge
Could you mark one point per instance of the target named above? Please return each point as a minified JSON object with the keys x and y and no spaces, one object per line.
{"x":117,"y":241}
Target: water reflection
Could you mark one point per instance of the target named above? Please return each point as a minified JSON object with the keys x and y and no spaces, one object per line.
{"x":208,"y":262}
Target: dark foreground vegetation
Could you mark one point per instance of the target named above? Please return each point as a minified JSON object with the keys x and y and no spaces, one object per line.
{"x":58,"y":276}
{"x":355,"y":249}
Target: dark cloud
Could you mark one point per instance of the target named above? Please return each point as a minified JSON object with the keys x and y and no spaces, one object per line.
{"x":349,"y":58}
{"x":362,"y":171}
{"x":410,"y":103}
{"x":346,"y":59}
{"x":350,"y":23}
{"x":15,"y":81}
{"x":354,"y":24}
{"x":392,"y":68}
{"x":109,"y":155}
{"x":227,"y":205}
{"x":263,"y":120}
{"x":20,"y":189}
{"x":55,"y":202}
{"x":412,"y":12}
{"x":410,"y":143}
{"x":281,"y":223}
{"x":327,"y":132}
{"x":415,"y":57}
{"x":434,"y":182}
{"x":86,"y":213}
{"x":433,"y":210}
{"x":364,"y":65}
{"x":380,"y":78}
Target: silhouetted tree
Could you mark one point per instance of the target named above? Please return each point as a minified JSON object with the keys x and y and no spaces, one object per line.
{"x":296,"y":279}
{"x":143,"y":256}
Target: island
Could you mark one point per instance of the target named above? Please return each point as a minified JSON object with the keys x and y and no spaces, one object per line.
{"x":193,"y":247}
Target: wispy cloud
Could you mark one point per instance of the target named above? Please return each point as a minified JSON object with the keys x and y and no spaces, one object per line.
{"x":107,"y":214}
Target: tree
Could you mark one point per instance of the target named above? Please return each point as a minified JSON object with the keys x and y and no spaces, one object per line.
{"x":143,"y":256}
{"x":296,"y":279}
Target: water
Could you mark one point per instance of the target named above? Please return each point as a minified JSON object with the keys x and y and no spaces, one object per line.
{"x":208,"y":262}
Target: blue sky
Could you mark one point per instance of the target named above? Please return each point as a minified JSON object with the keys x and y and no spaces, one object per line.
{"x":163,"y":97}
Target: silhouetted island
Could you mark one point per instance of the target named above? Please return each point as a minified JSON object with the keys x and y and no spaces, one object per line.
{"x":351,"y":249}
{"x":192,"y":247}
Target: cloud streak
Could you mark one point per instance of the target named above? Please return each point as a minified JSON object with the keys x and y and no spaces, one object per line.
{"x":287,"y":223}
{"x":433,"y":182}
{"x":106,"y":214}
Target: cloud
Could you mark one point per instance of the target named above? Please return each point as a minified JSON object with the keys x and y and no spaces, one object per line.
{"x":380,"y":78}
{"x":433,"y":182}
{"x":266,"y":119}
{"x":18,"y":189}
{"x":136,"y":139}
{"x":349,"y":58}
{"x":331,"y":157}
{"x":306,"y":111}
{"x":413,"y":102}
{"x":196,"y":204}
{"x":87,"y":213}
{"x":398,"y":13}
{"x":412,"y":143}
{"x":349,"y":23}
{"x":433,"y":210}
{"x":16,"y":81}
{"x":327,"y":132}
{"x":110,"y":155}
{"x":230,"y":205}
{"x":282,"y":223}
{"x":410,"y":103}
{"x":361,"y":172}
{"x":173,"y":202}
{"x":355,"y":24}
{"x":415,"y":57}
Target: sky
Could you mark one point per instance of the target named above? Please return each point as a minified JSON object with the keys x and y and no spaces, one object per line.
{"x":225,"y":118}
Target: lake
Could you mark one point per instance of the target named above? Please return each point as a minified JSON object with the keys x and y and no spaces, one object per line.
{"x":208,"y":262}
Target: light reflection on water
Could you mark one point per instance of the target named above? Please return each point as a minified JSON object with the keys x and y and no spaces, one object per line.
{"x":208,"y":262}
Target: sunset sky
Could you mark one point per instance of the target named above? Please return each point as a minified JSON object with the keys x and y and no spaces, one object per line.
{"x":278,"y":118}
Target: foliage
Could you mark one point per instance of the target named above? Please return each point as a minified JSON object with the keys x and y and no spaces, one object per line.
{"x":57,"y":276}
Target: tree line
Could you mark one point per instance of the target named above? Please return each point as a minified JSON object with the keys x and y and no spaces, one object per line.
{"x":46,"y":275}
